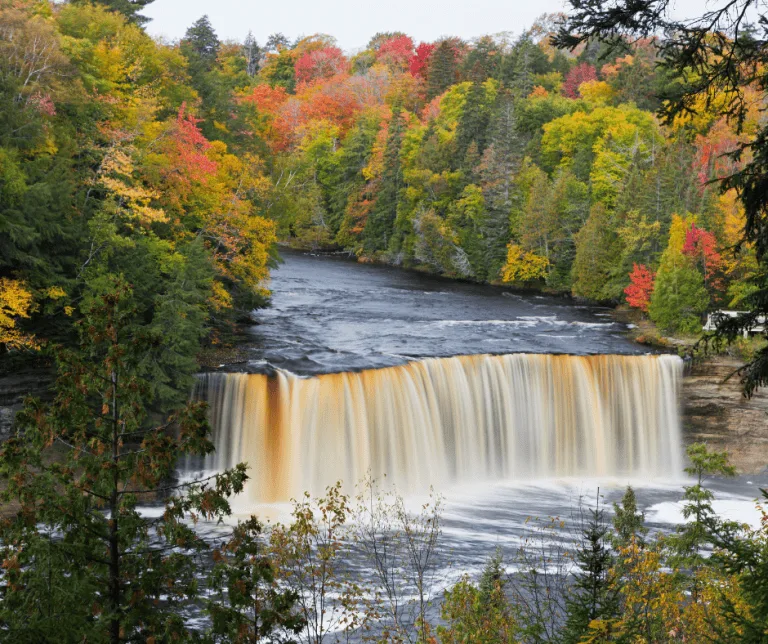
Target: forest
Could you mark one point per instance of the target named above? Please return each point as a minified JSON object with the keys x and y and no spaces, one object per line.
{"x":498,"y":160}
{"x":144,"y":189}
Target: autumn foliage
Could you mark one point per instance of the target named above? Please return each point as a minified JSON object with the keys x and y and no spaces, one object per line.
{"x":396,"y":52}
{"x":320,"y":64}
{"x":420,"y":59}
{"x":640,"y":288}
{"x":701,"y":246}
{"x":578,"y":75}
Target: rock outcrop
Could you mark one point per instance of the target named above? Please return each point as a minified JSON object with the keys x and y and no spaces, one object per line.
{"x":716,"y":412}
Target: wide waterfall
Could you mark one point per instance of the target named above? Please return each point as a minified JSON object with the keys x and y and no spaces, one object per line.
{"x":444,"y":420}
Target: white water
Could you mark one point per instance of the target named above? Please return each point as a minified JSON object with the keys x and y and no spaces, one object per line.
{"x":446,"y":420}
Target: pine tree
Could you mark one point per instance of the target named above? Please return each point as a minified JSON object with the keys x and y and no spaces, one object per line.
{"x":443,"y":68}
{"x":201,"y":42}
{"x":380,"y":224}
{"x":628,"y":522}
{"x":82,"y":563}
{"x":592,"y":595}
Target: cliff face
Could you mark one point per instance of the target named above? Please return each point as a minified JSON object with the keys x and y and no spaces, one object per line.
{"x":716,"y":412}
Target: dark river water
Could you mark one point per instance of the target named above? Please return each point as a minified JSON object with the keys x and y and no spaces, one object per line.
{"x":332,"y":314}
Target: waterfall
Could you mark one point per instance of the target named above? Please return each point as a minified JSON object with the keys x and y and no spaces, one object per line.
{"x":444,"y":420}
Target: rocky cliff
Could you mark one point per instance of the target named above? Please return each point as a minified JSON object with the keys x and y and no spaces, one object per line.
{"x":716,"y":412}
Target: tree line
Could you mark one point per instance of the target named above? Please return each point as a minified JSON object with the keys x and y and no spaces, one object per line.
{"x":498,"y":160}
{"x":511,"y":161}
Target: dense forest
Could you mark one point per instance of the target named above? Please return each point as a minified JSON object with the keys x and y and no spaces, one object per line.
{"x":507,"y":161}
{"x":495,"y":160}
{"x":143,"y":189}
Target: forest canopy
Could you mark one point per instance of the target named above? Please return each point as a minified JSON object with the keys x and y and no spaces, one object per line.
{"x":496,"y":160}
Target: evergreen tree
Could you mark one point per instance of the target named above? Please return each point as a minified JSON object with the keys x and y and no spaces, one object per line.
{"x":341,"y":176}
{"x":252,"y":54}
{"x":701,"y":521}
{"x":524,"y":62}
{"x":380,"y":224}
{"x":472,"y":128}
{"x":628,"y":522}
{"x":483,"y":61}
{"x":129,"y":8}
{"x":500,"y":163}
{"x":276,"y":42}
{"x":745,"y":554}
{"x":680,"y":297}
{"x":482,"y":614}
{"x":443,"y":68}
{"x":592,"y":595}
{"x":248,"y":604}
{"x":201,"y":44}
{"x":86,"y":565}
{"x":597,"y":251}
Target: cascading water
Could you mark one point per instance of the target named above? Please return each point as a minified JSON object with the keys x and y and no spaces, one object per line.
{"x":444,"y":420}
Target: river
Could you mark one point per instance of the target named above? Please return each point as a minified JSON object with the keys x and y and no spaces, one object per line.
{"x":331,"y":314}
{"x":353,"y":370}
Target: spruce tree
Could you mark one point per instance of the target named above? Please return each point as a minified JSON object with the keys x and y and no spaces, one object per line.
{"x":82,"y":563}
{"x":472,"y":128}
{"x":380,"y":224}
{"x":443,"y":68}
{"x":200,"y":43}
{"x":693,"y":535}
{"x":524,"y":62}
{"x":592,"y":595}
{"x":500,"y":163}
{"x":628,"y":522}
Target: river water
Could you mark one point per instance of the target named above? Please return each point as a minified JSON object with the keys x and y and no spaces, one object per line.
{"x":332,"y":315}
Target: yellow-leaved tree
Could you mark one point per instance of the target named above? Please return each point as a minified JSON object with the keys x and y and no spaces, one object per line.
{"x":523,"y":265}
{"x":15,"y":303}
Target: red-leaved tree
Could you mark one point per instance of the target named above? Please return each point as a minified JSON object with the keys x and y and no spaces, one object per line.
{"x":187,"y":154}
{"x":420,"y":60}
{"x":578,"y":75}
{"x":701,"y":245}
{"x":640,"y":287}
{"x":319,"y":64}
{"x":396,"y":52}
